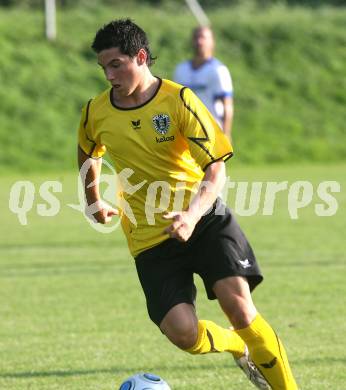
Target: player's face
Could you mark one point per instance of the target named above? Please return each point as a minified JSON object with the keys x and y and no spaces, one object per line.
{"x":203,"y":42}
{"x":123,"y":72}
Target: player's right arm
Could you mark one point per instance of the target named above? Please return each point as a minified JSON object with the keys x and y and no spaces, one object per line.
{"x":90,"y":163}
{"x":210,"y":148}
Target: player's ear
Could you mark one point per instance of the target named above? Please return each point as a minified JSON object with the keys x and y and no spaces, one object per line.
{"x":142,"y":57}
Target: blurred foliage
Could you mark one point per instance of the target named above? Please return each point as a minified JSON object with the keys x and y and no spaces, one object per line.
{"x":288,"y":68}
{"x":204,"y":3}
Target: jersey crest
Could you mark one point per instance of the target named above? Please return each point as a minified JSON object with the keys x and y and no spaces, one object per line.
{"x":161,"y":123}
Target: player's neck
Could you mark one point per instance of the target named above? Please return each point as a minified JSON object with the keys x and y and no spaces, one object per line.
{"x":144,"y":91}
{"x":199,"y":60}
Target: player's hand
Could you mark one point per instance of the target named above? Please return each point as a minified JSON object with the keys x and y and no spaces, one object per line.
{"x":182,"y":226}
{"x":101,"y":212}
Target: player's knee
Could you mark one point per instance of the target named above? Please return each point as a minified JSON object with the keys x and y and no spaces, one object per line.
{"x":184,"y":337}
{"x":235,"y":299}
{"x":242,"y":315}
{"x":240,"y":311}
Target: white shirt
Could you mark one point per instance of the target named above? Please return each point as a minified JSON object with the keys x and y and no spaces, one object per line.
{"x":211,"y":82}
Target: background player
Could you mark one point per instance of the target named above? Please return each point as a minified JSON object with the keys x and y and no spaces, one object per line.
{"x":208,"y":78}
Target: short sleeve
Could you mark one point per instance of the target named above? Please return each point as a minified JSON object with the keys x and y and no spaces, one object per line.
{"x":222,"y":82}
{"x":85,"y":138}
{"x":207,"y":142}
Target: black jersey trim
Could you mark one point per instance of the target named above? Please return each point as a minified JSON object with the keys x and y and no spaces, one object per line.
{"x":89,"y":154}
{"x":87,"y":113}
{"x":197,"y":140}
{"x":225,"y":157}
{"x":92,"y":150}
{"x":135,"y":107}
{"x":84,"y":125}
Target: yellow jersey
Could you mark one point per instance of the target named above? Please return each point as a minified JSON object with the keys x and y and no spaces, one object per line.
{"x":159,"y":150}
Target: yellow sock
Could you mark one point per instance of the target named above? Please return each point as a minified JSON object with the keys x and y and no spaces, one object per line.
{"x":268,"y":354}
{"x":214,"y":338}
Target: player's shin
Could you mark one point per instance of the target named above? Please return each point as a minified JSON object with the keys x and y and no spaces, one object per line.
{"x":214,"y":338}
{"x":268,"y":354}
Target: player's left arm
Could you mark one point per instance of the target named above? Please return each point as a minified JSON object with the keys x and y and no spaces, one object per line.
{"x":228,"y":110}
{"x":184,"y":222}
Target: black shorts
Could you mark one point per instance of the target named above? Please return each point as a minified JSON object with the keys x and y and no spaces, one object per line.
{"x":217,"y":249}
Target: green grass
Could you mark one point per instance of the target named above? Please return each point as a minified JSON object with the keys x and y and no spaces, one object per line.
{"x":73,"y":315}
{"x":288,"y":67}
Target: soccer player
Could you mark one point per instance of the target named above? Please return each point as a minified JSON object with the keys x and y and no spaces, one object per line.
{"x":163,"y":141}
{"x":208,"y":78}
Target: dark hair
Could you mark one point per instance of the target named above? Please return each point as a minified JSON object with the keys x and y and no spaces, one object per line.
{"x":125,"y":35}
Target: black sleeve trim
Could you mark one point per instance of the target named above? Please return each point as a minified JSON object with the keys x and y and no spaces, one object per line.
{"x":92,"y":150}
{"x":225,"y":157}
{"x":197,"y":141}
{"x":87,"y":113}
{"x":84,"y":125}
{"x":89,"y":154}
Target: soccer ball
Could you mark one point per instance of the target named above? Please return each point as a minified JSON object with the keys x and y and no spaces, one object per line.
{"x":144,"y":381}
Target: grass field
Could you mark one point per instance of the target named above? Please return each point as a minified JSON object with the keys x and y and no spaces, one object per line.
{"x":73,"y":315}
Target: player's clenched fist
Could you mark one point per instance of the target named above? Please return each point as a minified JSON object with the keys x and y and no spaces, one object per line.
{"x":182,"y":226}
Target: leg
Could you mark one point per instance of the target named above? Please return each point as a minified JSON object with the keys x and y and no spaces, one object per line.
{"x":235,"y":299}
{"x":182,"y":328}
{"x":265,"y":348}
{"x":180,"y":325}
{"x":170,"y":294}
